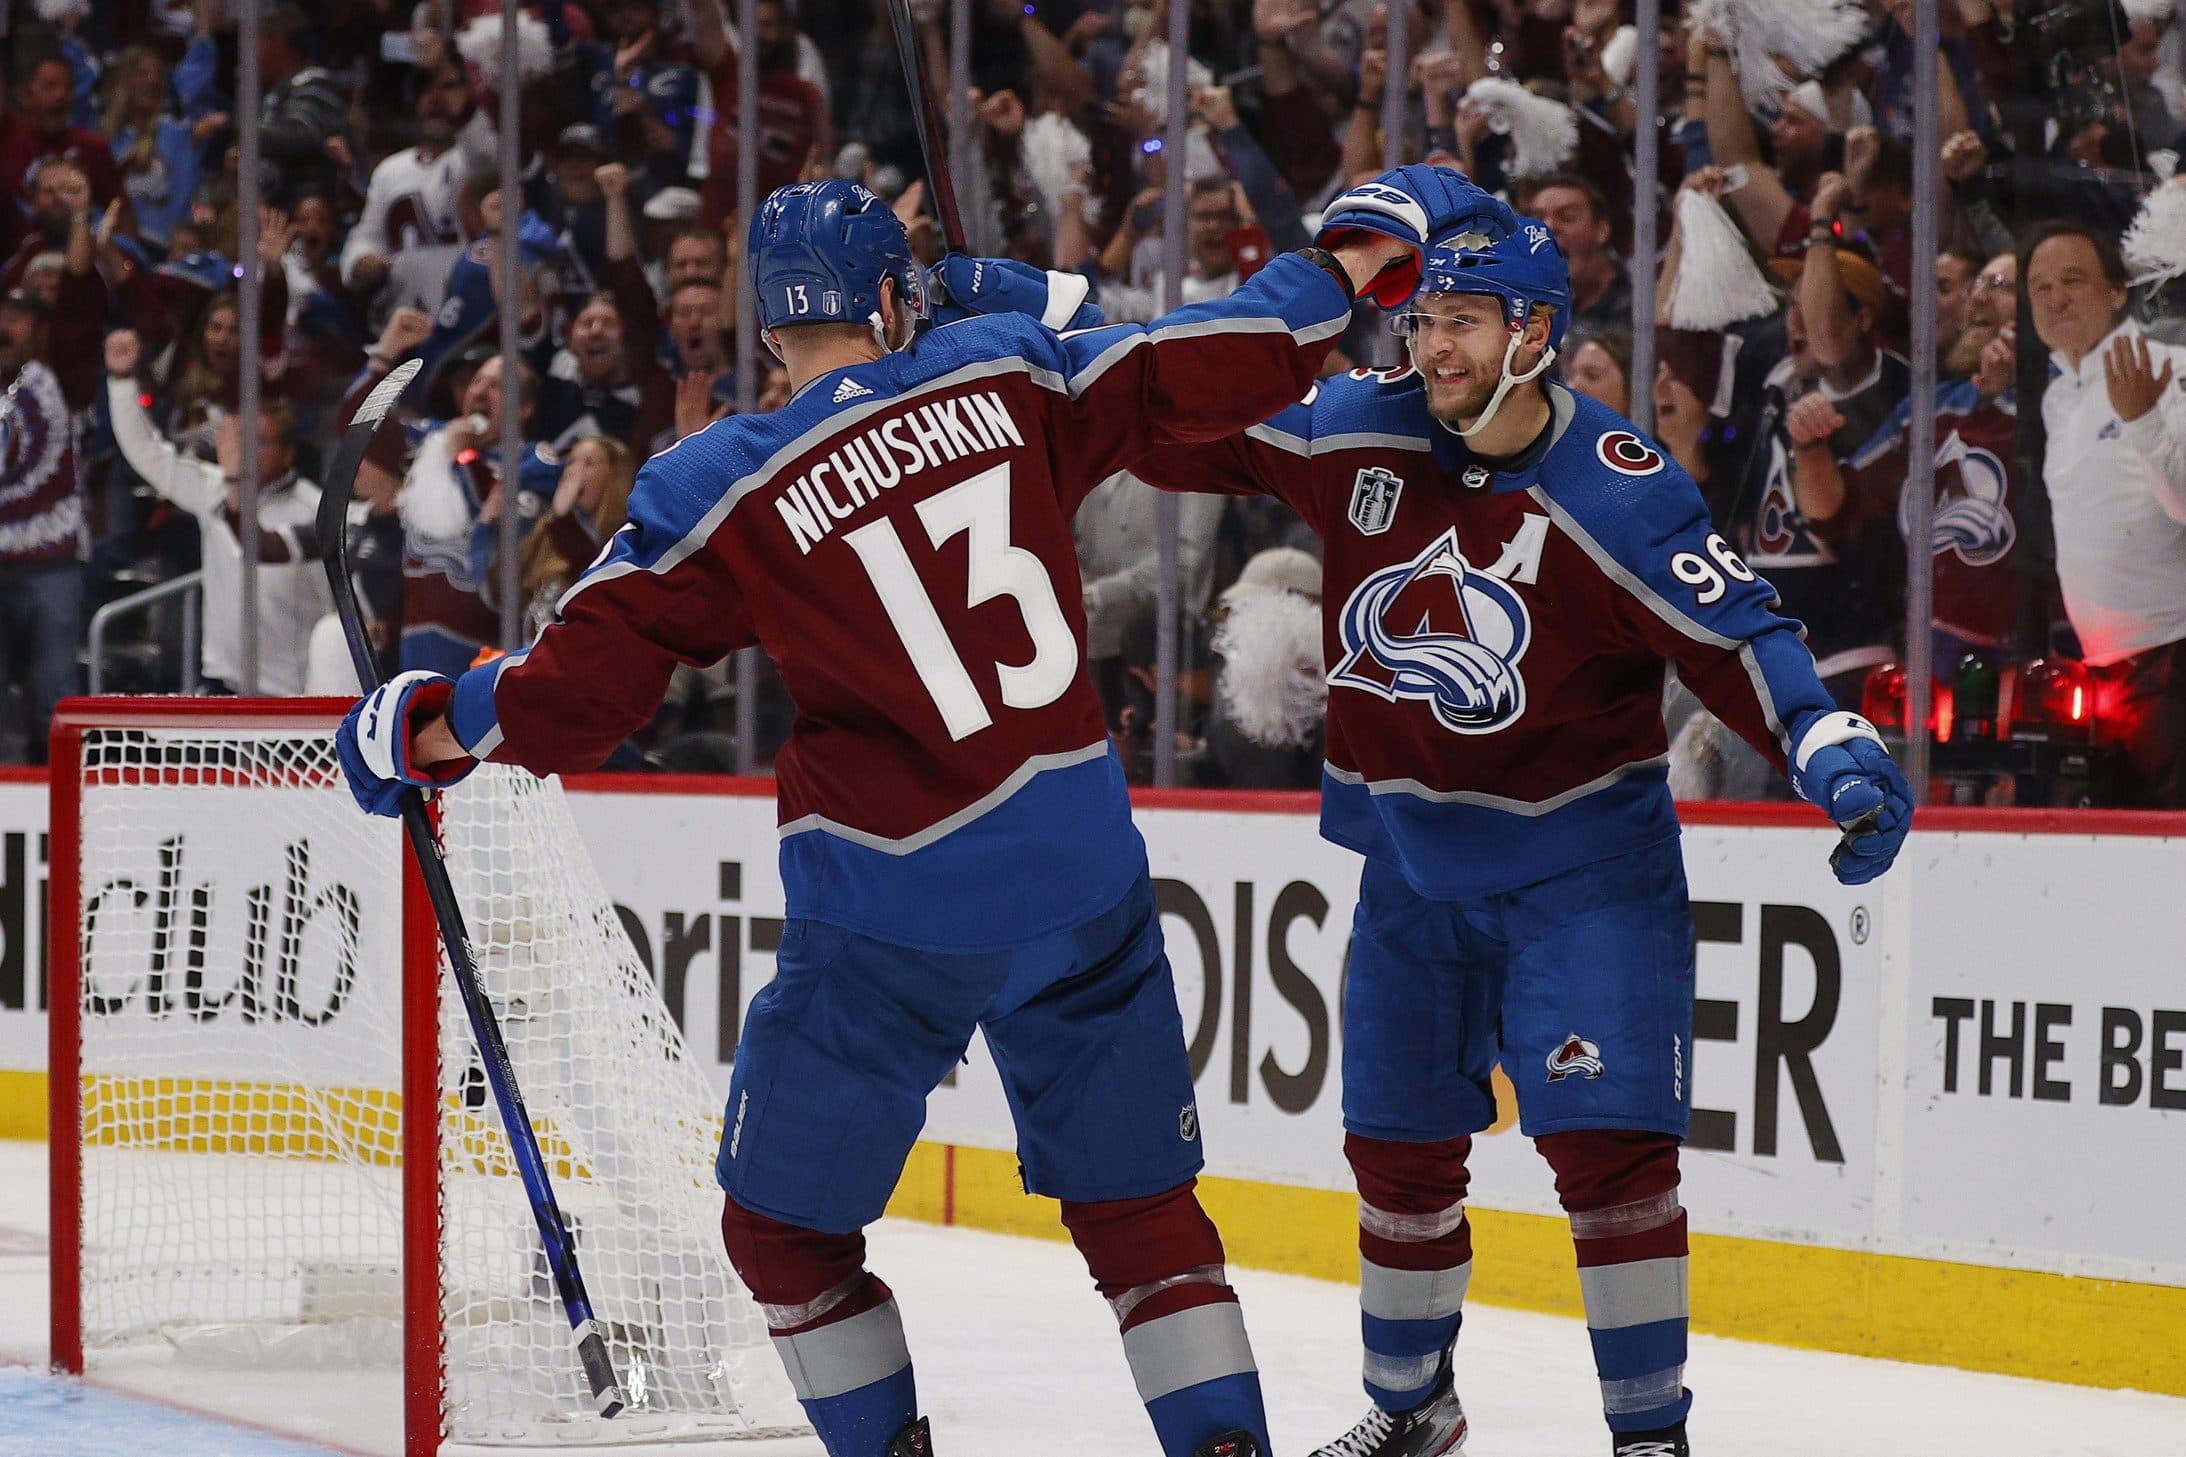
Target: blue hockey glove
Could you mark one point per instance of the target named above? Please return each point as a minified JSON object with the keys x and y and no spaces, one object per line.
{"x":373,"y":742}
{"x":960,"y":287}
{"x":1842,"y":766}
{"x":1418,"y":205}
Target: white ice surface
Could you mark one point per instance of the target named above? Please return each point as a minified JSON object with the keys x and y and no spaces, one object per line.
{"x":1017,"y":1355}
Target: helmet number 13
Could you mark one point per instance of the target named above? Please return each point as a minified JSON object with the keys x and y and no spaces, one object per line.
{"x":980,"y":507}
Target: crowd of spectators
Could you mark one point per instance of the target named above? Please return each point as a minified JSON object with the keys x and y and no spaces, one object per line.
{"x":1785,"y":198}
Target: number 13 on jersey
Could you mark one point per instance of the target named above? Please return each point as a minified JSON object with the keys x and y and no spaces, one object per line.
{"x":980,"y":508}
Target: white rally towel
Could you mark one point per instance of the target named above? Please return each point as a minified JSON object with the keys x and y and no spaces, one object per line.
{"x":1051,"y":148}
{"x":479,"y":41}
{"x":1542,"y":133}
{"x":2155,"y":246}
{"x":1804,"y":35}
{"x":1272,"y":684}
{"x":1718,"y":283}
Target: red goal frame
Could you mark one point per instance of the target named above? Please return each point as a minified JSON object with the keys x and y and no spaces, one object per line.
{"x":423,"y":1380}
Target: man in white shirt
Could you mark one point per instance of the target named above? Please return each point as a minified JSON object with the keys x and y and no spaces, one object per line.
{"x":410,"y":234}
{"x":292,"y":591}
{"x":2115,"y":412}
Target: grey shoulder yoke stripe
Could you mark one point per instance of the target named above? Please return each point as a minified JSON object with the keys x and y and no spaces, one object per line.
{"x":1624,"y":577}
{"x":1368,"y":439}
{"x":1654,"y":601}
{"x":1326,"y":444}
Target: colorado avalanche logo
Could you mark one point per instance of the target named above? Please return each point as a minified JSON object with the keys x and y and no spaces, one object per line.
{"x":1435,"y":629}
{"x":1971,"y":520}
{"x":1577,"y":1057}
{"x":1627,"y":454}
{"x":1781,"y":538}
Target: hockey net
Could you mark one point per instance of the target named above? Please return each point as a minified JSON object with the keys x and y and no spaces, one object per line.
{"x":249,"y":1009}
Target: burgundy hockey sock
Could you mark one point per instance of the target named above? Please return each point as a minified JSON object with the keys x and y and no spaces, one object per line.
{"x":1158,"y":1262}
{"x":834,"y":1324}
{"x":1620,"y":1189}
{"x":1415,"y":1260}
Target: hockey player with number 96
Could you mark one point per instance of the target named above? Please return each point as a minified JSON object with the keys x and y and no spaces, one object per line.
{"x":956,"y":839}
{"x":1512,"y":570}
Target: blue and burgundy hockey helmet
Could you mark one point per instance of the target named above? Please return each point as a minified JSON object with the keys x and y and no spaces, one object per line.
{"x":1524,"y":267}
{"x":819,"y":250}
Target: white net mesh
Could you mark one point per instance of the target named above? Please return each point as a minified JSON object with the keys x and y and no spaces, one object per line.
{"x":242,"y":1199}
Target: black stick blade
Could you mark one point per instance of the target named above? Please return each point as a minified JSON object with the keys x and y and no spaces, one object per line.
{"x":335,"y":493}
{"x":926,"y":120}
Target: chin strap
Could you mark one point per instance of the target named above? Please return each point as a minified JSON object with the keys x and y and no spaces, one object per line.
{"x":1508,"y":383}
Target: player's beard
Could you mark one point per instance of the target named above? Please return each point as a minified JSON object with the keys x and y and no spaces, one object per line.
{"x":1459,"y":402}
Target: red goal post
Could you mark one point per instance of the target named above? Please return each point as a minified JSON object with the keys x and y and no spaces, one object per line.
{"x":248,"y":1001}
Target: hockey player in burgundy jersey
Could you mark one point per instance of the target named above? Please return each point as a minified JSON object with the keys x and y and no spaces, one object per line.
{"x":957,"y":846}
{"x":1511,"y":571}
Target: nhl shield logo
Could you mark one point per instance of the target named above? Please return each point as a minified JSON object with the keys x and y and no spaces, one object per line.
{"x":1187,"y":1123}
{"x":1475,"y":477}
{"x":1374,"y":500}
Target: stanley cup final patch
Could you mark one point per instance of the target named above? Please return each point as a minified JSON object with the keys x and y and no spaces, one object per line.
{"x":1374,"y":499}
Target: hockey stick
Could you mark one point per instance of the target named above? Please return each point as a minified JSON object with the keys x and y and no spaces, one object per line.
{"x":926,"y":116}
{"x":1866,"y":824}
{"x":561,"y":1252}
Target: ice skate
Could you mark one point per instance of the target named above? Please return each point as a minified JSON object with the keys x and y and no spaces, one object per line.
{"x":1662,"y":1442}
{"x":1434,"y":1428}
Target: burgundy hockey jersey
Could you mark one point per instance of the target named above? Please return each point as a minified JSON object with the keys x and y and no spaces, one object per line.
{"x":1497,"y":639}
{"x":898,"y":538}
{"x":1976,"y":530}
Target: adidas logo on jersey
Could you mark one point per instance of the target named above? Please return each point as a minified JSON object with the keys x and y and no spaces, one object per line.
{"x":849,"y":389}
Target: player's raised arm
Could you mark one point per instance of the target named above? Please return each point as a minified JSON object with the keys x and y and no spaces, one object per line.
{"x":1271,"y":458}
{"x":1210,"y":369}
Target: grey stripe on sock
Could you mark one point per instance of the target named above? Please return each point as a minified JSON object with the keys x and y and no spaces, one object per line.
{"x":1401,"y":1373}
{"x":1202,"y":1344}
{"x":1412,"y":1294}
{"x":1637,"y":1217}
{"x":789,"y":1317}
{"x":1638,"y":1293}
{"x":845,"y":1356}
{"x":1410,"y":1229}
{"x":1643,"y":1393}
{"x":1137,"y":1295}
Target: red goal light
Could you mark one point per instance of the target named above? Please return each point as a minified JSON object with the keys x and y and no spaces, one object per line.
{"x":1883,"y":701}
{"x":2056,"y":698}
{"x":1882,"y":697}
